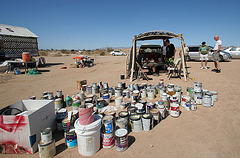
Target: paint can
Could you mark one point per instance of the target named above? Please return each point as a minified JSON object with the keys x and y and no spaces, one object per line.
{"x":44,"y":93}
{"x":45,"y":97}
{"x":143,"y":93}
{"x":58,"y":103}
{"x":32,"y":98}
{"x":59,"y":93}
{"x":118,"y":101}
{"x":140,"y":107}
{"x":110,"y":110}
{"x":61,"y":113}
{"x":88,"y":136}
{"x":178,"y":92}
{"x":188,"y":105}
{"x":118,"y":91}
{"x":46,"y":135}
{"x":136,"y":123}
{"x":123,"y":105}
{"x":150,"y":95}
{"x":197,"y":87}
{"x":119,"y":85}
{"x":100,"y":85}
{"x":156,"y":116}
{"x":198,"y":97}
{"x":100,"y":103}
{"x":105,"y":85}
{"x":162,"y":110}
{"x":123,"y":114}
{"x":95,"y":90}
{"x":170,"y":89}
{"x":164,"y":97}
{"x":47,"y":150}
{"x":134,"y":97}
{"x":126,"y":94}
{"x":81,"y":95}
{"x":184,"y":100}
{"x":122,"y":123}
{"x":149,"y":106}
{"x":50,"y":96}
{"x":205,"y":91}
{"x":132,"y":110}
{"x":71,"y":139}
{"x":135,"y":86}
{"x":88,"y":100}
{"x":106,"y":97}
{"x":107,"y":140}
{"x":193,"y":106}
{"x":107,"y":124}
{"x":207,"y":100}
{"x":190,"y":93}
{"x":85,"y":113}
{"x":121,"y":139}
{"x":147,"y":122}
{"x":215,"y":95}
{"x":76,"y":104}
{"x":111,"y":91}
{"x":173,"y":99}
{"x":161,"y":91}
{"x":174,"y":110}
{"x":84,"y":88}
{"x":89,"y":90}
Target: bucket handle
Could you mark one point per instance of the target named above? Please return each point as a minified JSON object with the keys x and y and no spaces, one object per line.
{"x":84,"y":128}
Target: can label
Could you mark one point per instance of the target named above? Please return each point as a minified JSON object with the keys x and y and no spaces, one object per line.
{"x":107,"y":140}
{"x":121,"y":143}
{"x":108,"y":124}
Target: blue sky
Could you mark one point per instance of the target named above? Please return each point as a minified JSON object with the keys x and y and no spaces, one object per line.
{"x":92,"y":24}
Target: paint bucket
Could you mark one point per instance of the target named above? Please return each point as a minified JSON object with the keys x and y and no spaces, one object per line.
{"x":84,"y":88}
{"x":89,"y":90}
{"x":207,"y":100}
{"x":100,"y":103}
{"x":156,"y":116}
{"x":126,"y":94}
{"x":123,"y":105}
{"x":88,"y":100}
{"x":215,"y":95}
{"x":174,"y":110}
{"x":118,"y":101}
{"x":134,"y":97}
{"x":178,"y":92}
{"x":123,"y":114}
{"x":105,"y":85}
{"x":132,"y":110}
{"x":190,"y":92}
{"x":122,"y":123}
{"x":85,"y":113}
{"x":119,"y":85}
{"x":143,"y":93}
{"x":106,"y":97}
{"x":147,"y":122}
{"x":76,"y":104}
{"x":88,"y":136}
{"x":149,"y":106}
{"x":58,"y":103}
{"x":197,"y":87}
{"x":50,"y":96}
{"x":193,"y":106}
{"x":44,"y":93}
{"x":71,"y":138}
{"x":164,"y":97}
{"x":32,"y":98}
{"x":107,"y":140}
{"x":136,"y":123}
{"x":188,"y":105}
{"x":59,"y":93}
{"x":198,"y":97}
{"x":26,"y":56}
{"x":150,"y":95}
{"x":184,"y":100}
{"x":107,"y":124}
{"x":121,"y":139}
{"x":173,"y":99}
{"x":118,"y":92}
{"x":46,"y":136}
{"x":162,"y":110}
{"x":47,"y":150}
{"x":81,"y":95}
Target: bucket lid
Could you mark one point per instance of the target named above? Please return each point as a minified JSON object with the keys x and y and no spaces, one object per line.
{"x":153,"y":111}
{"x":121,"y":132}
{"x":123,"y":114}
{"x":97,"y":122}
{"x":122,"y":120}
{"x":135,"y":117}
{"x":213,"y":92}
{"x":107,"y":118}
{"x":62,"y":110}
{"x":147,"y":116}
{"x":139,"y":105}
{"x":174,"y":105}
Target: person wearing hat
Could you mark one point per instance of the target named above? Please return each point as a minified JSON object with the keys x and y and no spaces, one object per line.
{"x":204,"y":52}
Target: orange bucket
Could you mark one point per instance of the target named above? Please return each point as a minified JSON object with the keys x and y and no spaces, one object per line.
{"x":26,"y":56}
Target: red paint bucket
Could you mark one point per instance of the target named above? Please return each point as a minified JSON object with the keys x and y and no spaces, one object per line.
{"x":107,"y":140}
{"x":86,"y":114}
{"x":26,"y":56}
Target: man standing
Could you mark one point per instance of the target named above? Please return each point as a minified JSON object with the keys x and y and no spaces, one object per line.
{"x":164,"y":51}
{"x":204,"y":52}
{"x":170,"y":50}
{"x":216,"y":54}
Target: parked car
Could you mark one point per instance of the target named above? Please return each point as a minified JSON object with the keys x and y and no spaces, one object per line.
{"x":234,"y":51}
{"x":194,"y":54}
{"x":116,"y":52}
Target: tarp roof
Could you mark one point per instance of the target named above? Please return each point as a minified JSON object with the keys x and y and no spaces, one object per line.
{"x":15,"y":31}
{"x":154,"y":35}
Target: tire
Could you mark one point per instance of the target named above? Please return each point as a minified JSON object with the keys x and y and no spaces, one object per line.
{"x":221,"y":58}
{"x":113,"y":54}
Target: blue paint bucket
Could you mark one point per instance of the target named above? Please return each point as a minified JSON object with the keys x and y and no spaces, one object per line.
{"x":17,"y":71}
{"x":71,"y":139}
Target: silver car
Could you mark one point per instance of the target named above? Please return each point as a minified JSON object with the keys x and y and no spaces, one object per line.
{"x":194,"y":54}
{"x":234,"y":51}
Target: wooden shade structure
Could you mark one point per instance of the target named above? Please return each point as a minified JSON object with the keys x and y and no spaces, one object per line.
{"x":154,"y":35}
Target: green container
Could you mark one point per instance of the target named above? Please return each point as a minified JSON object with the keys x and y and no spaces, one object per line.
{"x":68,"y":101}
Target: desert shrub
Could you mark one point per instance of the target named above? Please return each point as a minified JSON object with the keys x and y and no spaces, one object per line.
{"x":43,"y":53}
{"x":109,"y":49}
{"x":102,"y":53}
{"x":57,"y":55}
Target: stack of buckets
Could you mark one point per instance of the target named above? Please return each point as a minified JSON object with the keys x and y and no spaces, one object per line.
{"x":46,"y":146}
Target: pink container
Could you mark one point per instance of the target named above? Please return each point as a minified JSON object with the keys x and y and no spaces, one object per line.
{"x":86,"y":114}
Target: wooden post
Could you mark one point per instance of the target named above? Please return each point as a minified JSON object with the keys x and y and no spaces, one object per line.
{"x":182,"y":56}
{"x":133,"y":58}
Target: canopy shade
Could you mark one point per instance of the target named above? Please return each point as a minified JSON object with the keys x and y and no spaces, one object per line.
{"x":154,"y":35}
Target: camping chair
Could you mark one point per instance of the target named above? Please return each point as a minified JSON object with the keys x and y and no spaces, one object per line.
{"x":142,"y":71}
{"x":174,"y":70}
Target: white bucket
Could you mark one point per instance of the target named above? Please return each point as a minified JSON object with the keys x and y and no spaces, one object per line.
{"x":46,"y":136}
{"x":126,"y":94}
{"x":215,"y":95}
{"x":88,"y":136}
{"x":207,"y":100}
{"x":151,"y":95}
{"x":58,"y":103}
{"x":118,"y":92}
{"x":118,"y":101}
{"x":164,"y":97}
{"x":197,"y":87}
{"x":184,"y":100}
{"x":46,"y":150}
{"x":136,"y":123}
{"x":143,"y":93}
{"x":198,"y":97}
{"x":174,"y":110}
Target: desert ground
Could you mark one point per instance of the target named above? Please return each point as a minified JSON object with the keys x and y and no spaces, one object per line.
{"x":208,"y":132}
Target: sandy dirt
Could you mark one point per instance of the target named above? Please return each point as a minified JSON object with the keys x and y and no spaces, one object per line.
{"x":207,"y":132}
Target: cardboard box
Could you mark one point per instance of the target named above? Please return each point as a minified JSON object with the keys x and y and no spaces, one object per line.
{"x":22,"y":122}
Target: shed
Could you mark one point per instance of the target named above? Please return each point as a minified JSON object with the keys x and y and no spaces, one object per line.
{"x":15,"y":40}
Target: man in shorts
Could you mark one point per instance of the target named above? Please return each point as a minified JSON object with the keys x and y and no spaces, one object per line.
{"x":204,"y":52}
{"x":216,"y":54}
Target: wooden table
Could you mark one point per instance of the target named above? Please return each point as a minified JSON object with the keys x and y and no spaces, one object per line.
{"x":10,"y":63}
